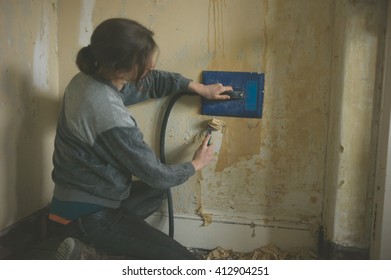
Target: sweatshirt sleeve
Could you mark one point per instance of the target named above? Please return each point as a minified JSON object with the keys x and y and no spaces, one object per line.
{"x":157,"y":84}
{"x":132,"y":155}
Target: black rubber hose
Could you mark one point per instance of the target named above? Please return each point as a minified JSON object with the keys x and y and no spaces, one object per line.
{"x":163,"y":156}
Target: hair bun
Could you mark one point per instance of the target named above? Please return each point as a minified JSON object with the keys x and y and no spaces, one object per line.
{"x":86,"y":61}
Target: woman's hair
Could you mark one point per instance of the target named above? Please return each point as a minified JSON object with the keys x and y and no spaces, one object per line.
{"x":117,"y":44}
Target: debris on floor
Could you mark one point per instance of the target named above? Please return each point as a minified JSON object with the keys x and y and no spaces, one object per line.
{"x":269,"y":252}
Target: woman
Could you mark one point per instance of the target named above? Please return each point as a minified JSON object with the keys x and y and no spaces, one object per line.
{"x":99,"y":148}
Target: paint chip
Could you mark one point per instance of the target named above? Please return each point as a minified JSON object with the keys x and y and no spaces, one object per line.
{"x":206,"y":217}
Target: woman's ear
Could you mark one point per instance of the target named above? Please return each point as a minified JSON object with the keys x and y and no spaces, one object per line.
{"x":119,"y":74}
{"x":127,"y":75}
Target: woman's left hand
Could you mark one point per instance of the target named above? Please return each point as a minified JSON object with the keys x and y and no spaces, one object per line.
{"x":213,"y":92}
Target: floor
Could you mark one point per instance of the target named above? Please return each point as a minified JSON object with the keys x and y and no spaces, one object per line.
{"x":47,"y":250}
{"x":21,"y":244}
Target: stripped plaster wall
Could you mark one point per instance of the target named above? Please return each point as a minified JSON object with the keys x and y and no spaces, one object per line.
{"x":284,"y":170}
{"x":28,"y":105}
{"x":359,"y":36}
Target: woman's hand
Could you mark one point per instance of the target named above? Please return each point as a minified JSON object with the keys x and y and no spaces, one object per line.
{"x":203,"y":155}
{"x":213,"y":92}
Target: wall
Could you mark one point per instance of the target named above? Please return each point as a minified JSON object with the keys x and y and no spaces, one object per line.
{"x":356,"y":83}
{"x":28,"y":105}
{"x":381,"y":237}
{"x":279,"y":173}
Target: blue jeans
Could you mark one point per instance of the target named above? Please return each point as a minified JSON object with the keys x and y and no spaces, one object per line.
{"x":123,"y":231}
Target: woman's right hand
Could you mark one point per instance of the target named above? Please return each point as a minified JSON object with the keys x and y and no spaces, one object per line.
{"x":212,"y":92}
{"x":203,"y":155}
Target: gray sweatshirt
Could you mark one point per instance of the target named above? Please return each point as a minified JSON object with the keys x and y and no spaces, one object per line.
{"x":98,"y":146}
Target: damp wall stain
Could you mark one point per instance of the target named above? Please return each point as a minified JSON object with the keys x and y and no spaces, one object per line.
{"x":216,"y":26}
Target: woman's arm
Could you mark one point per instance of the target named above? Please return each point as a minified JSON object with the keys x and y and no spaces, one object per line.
{"x":161,"y":83}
